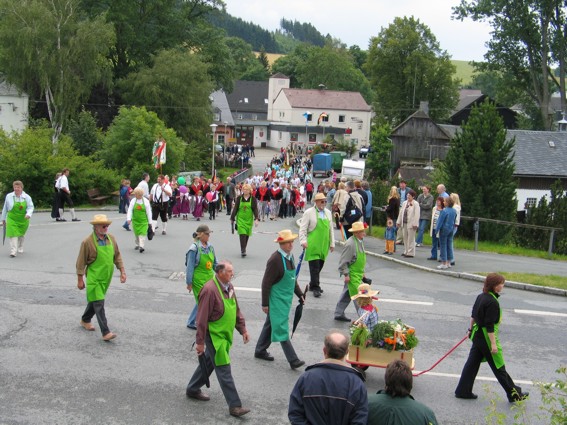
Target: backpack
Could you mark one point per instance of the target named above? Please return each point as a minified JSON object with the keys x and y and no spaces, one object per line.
{"x":352,"y":212}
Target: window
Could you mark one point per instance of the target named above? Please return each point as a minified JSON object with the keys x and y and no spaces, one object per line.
{"x":217,"y":117}
{"x":254,"y":117}
{"x":342,"y":118}
{"x":312,"y":137}
{"x":293,"y":137}
{"x":309,"y":117}
{"x":220,"y":139}
{"x":282,"y":114}
{"x":531,"y":202}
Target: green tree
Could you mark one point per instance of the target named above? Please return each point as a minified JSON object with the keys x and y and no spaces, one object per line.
{"x":288,"y":65}
{"x":378,"y":160}
{"x":405,"y":66}
{"x":177,"y":87}
{"x":48,"y":49}
{"x":128,"y":144}
{"x":29,"y":156}
{"x":525,"y":34}
{"x":480,"y":167}
{"x":333,"y":68}
{"x":87,"y":138}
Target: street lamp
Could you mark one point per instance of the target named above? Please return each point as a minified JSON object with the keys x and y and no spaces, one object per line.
{"x":213,"y":130}
{"x":224,"y":150}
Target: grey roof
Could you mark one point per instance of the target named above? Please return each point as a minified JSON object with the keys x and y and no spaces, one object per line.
{"x":466,"y":98}
{"x":534,"y":155}
{"x":325,"y":99}
{"x":7,"y":89}
{"x":249,"y":96}
{"x":220,"y":104}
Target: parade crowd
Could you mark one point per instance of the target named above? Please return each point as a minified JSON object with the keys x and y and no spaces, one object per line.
{"x":329,"y":392}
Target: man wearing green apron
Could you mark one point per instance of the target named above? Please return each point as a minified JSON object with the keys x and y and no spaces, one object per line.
{"x":351,"y":266}
{"x":278,"y":286}
{"x":217,"y":318}
{"x":98,"y":255}
{"x":16,"y":214}
{"x":316,"y":236}
{"x":484,"y":323}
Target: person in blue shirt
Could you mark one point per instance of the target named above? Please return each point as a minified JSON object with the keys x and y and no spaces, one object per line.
{"x":444,"y":231}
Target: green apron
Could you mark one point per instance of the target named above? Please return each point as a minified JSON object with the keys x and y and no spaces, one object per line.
{"x":356,"y":269}
{"x":281,"y":297}
{"x":245,"y":217}
{"x":203,"y":271}
{"x":100,"y":271}
{"x":140,"y":219}
{"x":16,"y":223}
{"x":319,"y":240}
{"x":498,"y":357}
{"x":221,"y":331}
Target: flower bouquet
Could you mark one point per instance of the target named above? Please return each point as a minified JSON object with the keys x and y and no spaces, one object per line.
{"x":386,"y":341}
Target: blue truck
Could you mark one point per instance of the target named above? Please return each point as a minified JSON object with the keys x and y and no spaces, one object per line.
{"x":322,"y":164}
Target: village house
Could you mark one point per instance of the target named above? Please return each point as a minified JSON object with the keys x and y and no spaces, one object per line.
{"x":13,"y":108}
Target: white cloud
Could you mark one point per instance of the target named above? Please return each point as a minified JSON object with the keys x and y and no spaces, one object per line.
{"x":356,"y":21}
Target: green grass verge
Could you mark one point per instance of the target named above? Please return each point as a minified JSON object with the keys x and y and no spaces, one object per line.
{"x":552,"y":281}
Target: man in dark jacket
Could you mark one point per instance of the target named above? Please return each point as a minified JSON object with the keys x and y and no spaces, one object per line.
{"x":330,"y":392}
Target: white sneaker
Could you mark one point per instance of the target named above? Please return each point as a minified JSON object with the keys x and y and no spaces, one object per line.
{"x":442,"y":267}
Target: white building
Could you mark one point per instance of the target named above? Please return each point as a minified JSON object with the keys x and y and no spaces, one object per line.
{"x":13,"y":108}
{"x":308,"y":116}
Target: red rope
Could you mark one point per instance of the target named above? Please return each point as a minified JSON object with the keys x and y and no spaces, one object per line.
{"x":443,"y":358}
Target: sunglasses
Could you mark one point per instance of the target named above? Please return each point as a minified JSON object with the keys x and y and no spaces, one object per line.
{"x":105,"y":226}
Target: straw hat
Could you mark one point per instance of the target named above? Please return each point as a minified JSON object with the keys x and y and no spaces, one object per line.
{"x":100,"y":219}
{"x":286,"y":236}
{"x":358,"y":226}
{"x":364,"y":291}
{"x":320,"y":197}
{"x":203,"y":228}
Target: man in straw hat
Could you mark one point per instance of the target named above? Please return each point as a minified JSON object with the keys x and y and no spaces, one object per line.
{"x":317,"y":238}
{"x":98,"y":254}
{"x":351,"y":267}
{"x":278,"y":286}
{"x":218,"y":316}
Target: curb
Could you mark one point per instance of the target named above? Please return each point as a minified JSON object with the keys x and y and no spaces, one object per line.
{"x":464,"y":275}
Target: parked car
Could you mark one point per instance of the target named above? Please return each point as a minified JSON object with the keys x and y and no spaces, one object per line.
{"x":219,"y":148}
{"x":364,"y":150}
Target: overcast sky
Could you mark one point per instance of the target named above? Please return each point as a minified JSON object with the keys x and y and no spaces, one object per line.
{"x":356,"y":21}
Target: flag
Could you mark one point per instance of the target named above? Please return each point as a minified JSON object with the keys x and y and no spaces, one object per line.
{"x":322,"y":117}
{"x":159,"y":152}
{"x":214,"y":176}
{"x":306,"y":116}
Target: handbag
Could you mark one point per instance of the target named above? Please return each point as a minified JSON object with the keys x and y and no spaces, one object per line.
{"x":151,"y":232}
{"x":352,"y":212}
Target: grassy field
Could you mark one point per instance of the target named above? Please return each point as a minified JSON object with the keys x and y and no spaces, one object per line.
{"x":464,"y":71}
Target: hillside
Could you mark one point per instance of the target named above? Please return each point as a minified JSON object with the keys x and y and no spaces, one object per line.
{"x":464,"y":71}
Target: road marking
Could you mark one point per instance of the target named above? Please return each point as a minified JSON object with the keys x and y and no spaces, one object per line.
{"x":540,"y":313}
{"x":385,"y":300}
{"x":244,"y":288}
{"x":479,"y":378}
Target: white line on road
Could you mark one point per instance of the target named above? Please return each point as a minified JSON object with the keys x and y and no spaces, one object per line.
{"x":480,"y":378}
{"x":385,"y":300}
{"x":244,"y":288}
{"x":540,"y":313}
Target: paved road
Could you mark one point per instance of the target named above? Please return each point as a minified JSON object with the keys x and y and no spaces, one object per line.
{"x":53,"y":372}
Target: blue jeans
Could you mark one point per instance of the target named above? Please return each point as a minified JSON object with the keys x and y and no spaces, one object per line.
{"x":434,"y":245}
{"x":446,"y":246}
{"x":193,"y":316}
{"x":423,"y":222}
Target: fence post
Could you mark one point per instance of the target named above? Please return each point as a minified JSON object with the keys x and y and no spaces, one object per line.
{"x":476,"y":227}
{"x":551,"y":238}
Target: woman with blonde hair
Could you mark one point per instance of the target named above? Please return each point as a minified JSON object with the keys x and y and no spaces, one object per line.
{"x":457,"y":207}
{"x":139,"y":214}
{"x":393,"y":207}
{"x":245,"y":213}
{"x":339,"y":198}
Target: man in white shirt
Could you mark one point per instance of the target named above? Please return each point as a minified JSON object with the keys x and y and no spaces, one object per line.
{"x":144,"y":185}
{"x":159,"y":198}
{"x":62,"y":186}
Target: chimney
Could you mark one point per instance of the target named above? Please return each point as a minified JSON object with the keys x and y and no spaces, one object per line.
{"x":424,"y":106}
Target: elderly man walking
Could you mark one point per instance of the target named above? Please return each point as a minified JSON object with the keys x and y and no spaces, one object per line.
{"x":219,"y":314}
{"x":316,"y":236}
{"x":98,"y":255}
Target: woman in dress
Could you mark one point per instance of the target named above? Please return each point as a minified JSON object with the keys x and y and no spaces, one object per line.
{"x":139,"y":215}
{"x":199,"y":205}
{"x":16,"y":214}
{"x":483,"y":332}
{"x":201,"y":261}
{"x":245,"y":213}
{"x":408,"y":223}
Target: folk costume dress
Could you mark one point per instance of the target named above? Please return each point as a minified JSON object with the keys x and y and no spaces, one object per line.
{"x":200,"y":269}
{"x":140,"y":212}
{"x":244,"y":213}
{"x":14,"y":214}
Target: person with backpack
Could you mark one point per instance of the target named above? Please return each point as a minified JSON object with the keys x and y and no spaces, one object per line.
{"x":200,"y":261}
{"x":352,"y":209}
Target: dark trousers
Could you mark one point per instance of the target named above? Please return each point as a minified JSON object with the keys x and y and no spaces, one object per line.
{"x":96,"y":307}
{"x":309,"y":195}
{"x":224,"y":376}
{"x":65,"y":198}
{"x":315,"y":267}
{"x":265,"y":340}
{"x":346,"y":228}
{"x":479,"y":351}
{"x":160,"y":210}
{"x":228,"y":200}
{"x":212,"y":210}
{"x":243,"y":242}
